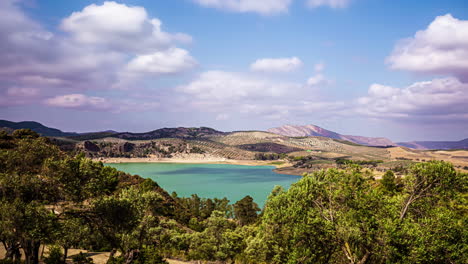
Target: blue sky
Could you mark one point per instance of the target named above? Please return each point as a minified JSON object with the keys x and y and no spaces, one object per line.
{"x":397,"y":69}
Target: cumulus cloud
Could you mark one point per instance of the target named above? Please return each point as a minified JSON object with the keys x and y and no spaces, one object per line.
{"x":96,"y":48}
{"x":18,"y":96}
{"x":169,"y":61}
{"x":229,"y":86}
{"x":94,"y":103}
{"x":237,"y":94}
{"x":438,"y":99}
{"x":121,"y":27}
{"x":241,"y":95}
{"x":442,"y":48}
{"x":317,"y":80}
{"x":329,"y":3}
{"x":264,"y":7}
{"x":79,"y":101}
{"x":276,"y":65}
{"x":32,"y":55}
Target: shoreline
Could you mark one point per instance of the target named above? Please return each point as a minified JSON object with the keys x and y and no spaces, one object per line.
{"x":195,"y":161}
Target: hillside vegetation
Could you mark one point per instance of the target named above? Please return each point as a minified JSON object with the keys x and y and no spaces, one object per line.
{"x":303,"y":154}
{"x":50,"y":197}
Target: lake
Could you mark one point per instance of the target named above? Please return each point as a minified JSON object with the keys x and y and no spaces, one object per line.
{"x":212,"y":180}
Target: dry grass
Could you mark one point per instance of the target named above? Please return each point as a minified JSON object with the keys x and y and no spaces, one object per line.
{"x":457,"y":157}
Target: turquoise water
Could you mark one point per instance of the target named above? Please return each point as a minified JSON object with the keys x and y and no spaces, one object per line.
{"x":212,"y":180}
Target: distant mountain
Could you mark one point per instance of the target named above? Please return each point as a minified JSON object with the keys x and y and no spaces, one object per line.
{"x":179,"y":132}
{"x":312,"y":130}
{"x":462,"y":144}
{"x":206,"y":132}
{"x":35,"y":126}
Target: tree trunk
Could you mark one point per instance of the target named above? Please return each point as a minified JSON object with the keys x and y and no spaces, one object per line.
{"x":42,"y":251}
{"x":36,"y":248}
{"x":17,"y":254}
{"x":131,"y":256}
{"x":65,"y":254}
{"x":405,"y":208}
{"x":364,"y":259}
{"x":111,"y":254}
{"x":10,"y":252}
{"x":31,"y":251}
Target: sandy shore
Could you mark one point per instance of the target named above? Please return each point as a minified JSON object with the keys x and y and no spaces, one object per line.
{"x":195,"y":161}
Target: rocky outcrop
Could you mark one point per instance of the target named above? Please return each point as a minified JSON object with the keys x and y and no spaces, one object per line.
{"x":127,"y":147}
{"x":90,"y":146}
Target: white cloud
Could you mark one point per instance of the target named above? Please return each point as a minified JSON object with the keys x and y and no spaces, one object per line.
{"x":22,"y":91}
{"x":329,"y":3}
{"x":276,"y":64}
{"x":220,"y":85}
{"x":80,"y":101}
{"x":241,"y":95}
{"x":119,"y":27}
{"x":100,"y":47}
{"x":378,"y":91}
{"x":438,"y":99}
{"x":442,"y":48}
{"x":264,"y":7}
{"x":19,"y":96}
{"x":94,"y":103}
{"x":318,"y":80}
{"x":169,"y":61}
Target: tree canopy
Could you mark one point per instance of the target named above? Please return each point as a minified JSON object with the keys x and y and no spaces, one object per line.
{"x":50,"y":197}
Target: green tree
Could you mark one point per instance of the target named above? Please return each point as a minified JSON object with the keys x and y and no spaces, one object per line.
{"x":55,"y":256}
{"x":320,"y":219}
{"x":246,"y":210}
{"x":24,"y":133}
{"x":388,"y":182}
{"x":128,"y":221}
{"x":212,"y":243}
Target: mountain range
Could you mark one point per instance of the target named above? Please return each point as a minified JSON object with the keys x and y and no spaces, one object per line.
{"x":312,"y":130}
{"x":462,"y":144}
{"x":201,"y":132}
{"x":35,"y":126}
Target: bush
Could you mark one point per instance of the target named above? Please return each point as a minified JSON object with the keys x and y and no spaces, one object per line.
{"x":388,"y":182}
{"x":116,"y":260}
{"x":7,"y":261}
{"x":82,"y":258}
{"x":55,"y":256}
{"x":149,"y":255}
{"x":24,"y":133}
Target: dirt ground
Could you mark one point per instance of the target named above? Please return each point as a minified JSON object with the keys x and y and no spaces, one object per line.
{"x":98,"y":257}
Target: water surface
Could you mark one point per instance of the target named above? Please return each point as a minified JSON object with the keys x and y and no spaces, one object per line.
{"x":212,"y":180}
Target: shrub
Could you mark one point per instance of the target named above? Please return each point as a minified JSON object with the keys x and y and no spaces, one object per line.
{"x":82,"y":258}
{"x":55,"y":256}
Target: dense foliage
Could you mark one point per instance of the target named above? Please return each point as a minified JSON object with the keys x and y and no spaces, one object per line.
{"x":48,"y":197}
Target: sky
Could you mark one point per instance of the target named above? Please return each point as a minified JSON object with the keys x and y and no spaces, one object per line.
{"x":395,"y":69}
